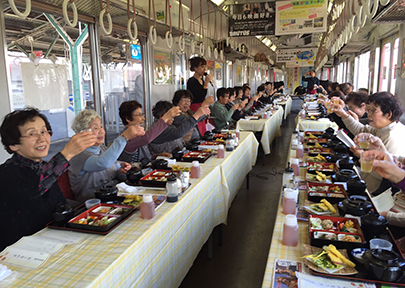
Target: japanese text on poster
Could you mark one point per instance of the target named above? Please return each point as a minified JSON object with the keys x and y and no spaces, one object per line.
{"x":251,"y":19}
{"x":162,"y":67}
{"x":301,"y":16}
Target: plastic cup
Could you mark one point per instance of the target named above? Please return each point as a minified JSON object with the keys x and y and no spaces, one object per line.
{"x":364,"y":141}
{"x":380,"y":244}
{"x":92,"y":202}
{"x":366,"y":163}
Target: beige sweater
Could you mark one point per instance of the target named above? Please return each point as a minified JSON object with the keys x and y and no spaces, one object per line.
{"x":396,"y":219}
{"x":392,"y":136}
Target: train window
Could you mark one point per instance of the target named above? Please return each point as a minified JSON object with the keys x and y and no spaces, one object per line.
{"x":229,"y":73}
{"x":123,"y":79}
{"x":180,"y":71}
{"x":219,"y":75}
{"x":361,"y":68}
{"x":376,"y":67}
{"x":385,"y":66}
{"x":394,"y":66}
{"x":340,"y":73}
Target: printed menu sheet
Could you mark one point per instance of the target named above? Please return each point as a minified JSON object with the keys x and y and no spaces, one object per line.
{"x":309,"y":281}
{"x":285,"y":273}
{"x":33,"y":251}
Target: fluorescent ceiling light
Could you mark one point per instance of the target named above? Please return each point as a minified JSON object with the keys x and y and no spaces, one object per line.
{"x":217,"y":2}
{"x":274,"y":47}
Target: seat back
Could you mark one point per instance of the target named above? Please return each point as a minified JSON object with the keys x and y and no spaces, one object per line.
{"x":64,"y":185}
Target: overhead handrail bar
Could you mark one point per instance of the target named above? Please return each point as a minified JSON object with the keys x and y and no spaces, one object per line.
{"x":132,"y":22}
{"x":106,"y":12}
{"x":17,"y":12}
{"x":65,"y":13}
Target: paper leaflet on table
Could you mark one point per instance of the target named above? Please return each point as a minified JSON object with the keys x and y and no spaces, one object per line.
{"x":342,"y":136}
{"x":30,"y":252}
{"x":284,"y":275}
{"x":383,"y":202}
{"x":309,"y":281}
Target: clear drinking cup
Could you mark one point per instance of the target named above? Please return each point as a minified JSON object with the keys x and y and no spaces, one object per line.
{"x":366,"y":163}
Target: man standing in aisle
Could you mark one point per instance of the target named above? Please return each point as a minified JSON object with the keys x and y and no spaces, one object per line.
{"x":312,"y":80}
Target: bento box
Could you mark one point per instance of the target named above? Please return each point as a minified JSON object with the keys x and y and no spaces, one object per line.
{"x":344,"y":233}
{"x":325,"y":168}
{"x":101,"y":217}
{"x":200,"y":156}
{"x":333,"y":193}
{"x":321,"y":151}
{"x":156,"y":178}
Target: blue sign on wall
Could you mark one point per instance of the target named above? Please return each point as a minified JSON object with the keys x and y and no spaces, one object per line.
{"x":136,"y":52}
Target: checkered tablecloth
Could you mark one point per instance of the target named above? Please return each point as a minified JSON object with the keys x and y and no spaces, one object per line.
{"x":270,"y":128}
{"x":277,"y":249}
{"x":286,"y":106}
{"x":151,"y":253}
{"x":314,"y":125}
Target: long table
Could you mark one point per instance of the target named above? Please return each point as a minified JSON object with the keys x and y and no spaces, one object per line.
{"x":157,"y":252}
{"x":277,"y":249}
{"x":314,"y":125}
{"x":286,"y":106}
{"x":270,"y":128}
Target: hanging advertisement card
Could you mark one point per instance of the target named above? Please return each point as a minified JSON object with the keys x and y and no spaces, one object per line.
{"x":251,"y":19}
{"x":297,"y":57}
{"x":294,"y":17}
{"x":162,"y":67}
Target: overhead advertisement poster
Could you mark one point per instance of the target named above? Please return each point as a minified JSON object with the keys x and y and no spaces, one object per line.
{"x":297,"y":57}
{"x":251,"y":19}
{"x":294,"y":17}
{"x":163,"y":66}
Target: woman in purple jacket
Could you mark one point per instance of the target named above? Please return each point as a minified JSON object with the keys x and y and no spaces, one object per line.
{"x":131,"y":115}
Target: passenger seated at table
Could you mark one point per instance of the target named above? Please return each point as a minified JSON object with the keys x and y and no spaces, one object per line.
{"x":260,"y":92}
{"x":222,"y":116}
{"x":171,"y":138}
{"x":392,"y":169}
{"x":97,"y":166}
{"x":345,"y":88}
{"x":30,"y":191}
{"x":231,"y":101}
{"x":384,"y":111}
{"x":131,"y":115}
{"x":268,"y":93}
{"x":183,"y":99}
{"x":337,"y":119}
{"x":356,"y":102}
{"x":246,"y":95}
{"x":239,"y":94}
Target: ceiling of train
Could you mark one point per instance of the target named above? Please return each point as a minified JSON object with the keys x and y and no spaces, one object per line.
{"x":35,"y":32}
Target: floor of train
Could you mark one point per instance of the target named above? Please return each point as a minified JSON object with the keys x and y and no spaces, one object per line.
{"x":241,"y":261}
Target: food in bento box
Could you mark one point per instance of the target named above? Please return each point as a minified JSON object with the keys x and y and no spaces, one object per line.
{"x":94,"y":221}
{"x":348,"y":226}
{"x":318,"y":188}
{"x":349,"y":238}
{"x":324,"y":206}
{"x":102,"y":209}
{"x":327,"y":224}
{"x":151,"y":178}
{"x":335,"y":189}
{"x":335,"y":195}
{"x":316,"y":223}
{"x":317,"y":145}
{"x":310,"y":135}
{"x":321,"y":166}
{"x":181,"y":168}
{"x":325,"y":236}
{"x":161,"y":174}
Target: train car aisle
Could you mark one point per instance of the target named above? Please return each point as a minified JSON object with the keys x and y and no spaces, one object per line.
{"x":241,"y":261}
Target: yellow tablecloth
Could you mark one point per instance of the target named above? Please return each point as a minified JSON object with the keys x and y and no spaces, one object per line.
{"x":314,"y":125}
{"x":151,"y":253}
{"x":286,"y":106}
{"x":270,"y":127}
{"x":277,"y":249}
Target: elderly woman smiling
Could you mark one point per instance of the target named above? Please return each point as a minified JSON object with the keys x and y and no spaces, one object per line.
{"x":29,"y":187}
{"x":97,"y":165}
{"x":384,"y":111}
